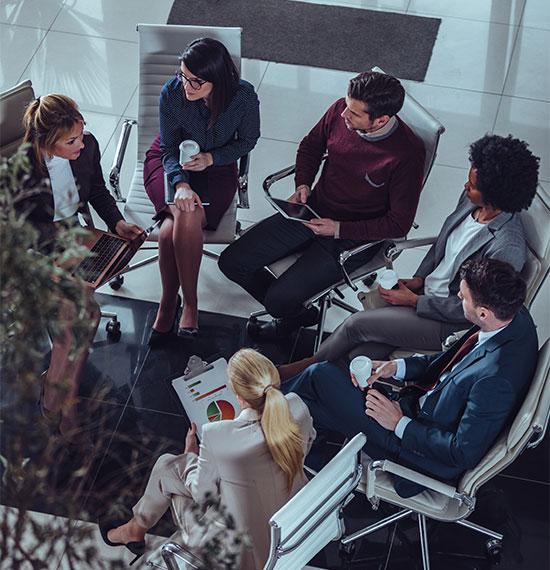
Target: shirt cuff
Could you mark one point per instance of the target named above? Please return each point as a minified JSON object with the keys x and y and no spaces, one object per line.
{"x":336,"y":230}
{"x":401,"y":425}
{"x":401,"y":369}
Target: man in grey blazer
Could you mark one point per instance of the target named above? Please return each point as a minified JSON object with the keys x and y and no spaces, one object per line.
{"x":461,"y":399}
{"x":425,"y":310}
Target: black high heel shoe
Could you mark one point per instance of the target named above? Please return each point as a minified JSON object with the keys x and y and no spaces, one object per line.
{"x":157,"y":337}
{"x":137,"y":548}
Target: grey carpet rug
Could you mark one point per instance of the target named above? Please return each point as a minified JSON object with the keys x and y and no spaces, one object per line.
{"x":316,"y":35}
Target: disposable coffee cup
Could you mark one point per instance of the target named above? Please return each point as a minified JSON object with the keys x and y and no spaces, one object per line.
{"x":387,"y":279}
{"x":361,"y":368}
{"x":188,"y":149}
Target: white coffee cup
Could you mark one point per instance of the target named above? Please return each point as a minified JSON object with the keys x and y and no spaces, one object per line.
{"x":361,"y":368}
{"x":188,"y":149}
{"x":387,"y":279}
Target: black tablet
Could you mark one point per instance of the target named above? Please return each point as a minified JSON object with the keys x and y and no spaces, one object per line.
{"x":293,"y":210}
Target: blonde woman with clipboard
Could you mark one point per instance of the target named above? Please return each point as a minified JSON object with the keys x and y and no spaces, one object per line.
{"x":253,"y":463}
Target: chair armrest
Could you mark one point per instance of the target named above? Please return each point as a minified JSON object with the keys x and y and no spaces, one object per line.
{"x":116,"y":167}
{"x":411,"y":475}
{"x":276,"y":176}
{"x":244,"y":165}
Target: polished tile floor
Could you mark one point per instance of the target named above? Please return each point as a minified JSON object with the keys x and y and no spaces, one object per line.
{"x":489,"y":73}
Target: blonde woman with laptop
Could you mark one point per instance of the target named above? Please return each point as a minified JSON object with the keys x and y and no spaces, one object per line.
{"x":253,"y":463}
{"x":65,"y":168}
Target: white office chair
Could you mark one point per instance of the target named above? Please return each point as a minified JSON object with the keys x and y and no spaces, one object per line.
{"x":446,"y":503}
{"x":429,"y":130}
{"x":159,"y":49}
{"x":304,"y":525}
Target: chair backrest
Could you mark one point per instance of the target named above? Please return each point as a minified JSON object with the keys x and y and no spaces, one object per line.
{"x":12,"y":108}
{"x":426,"y":127}
{"x":159,"y":49}
{"x":311,"y":519}
{"x":526,"y":430}
{"x":536,"y":223}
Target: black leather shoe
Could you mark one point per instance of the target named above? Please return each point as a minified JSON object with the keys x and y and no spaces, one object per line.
{"x":188,"y":332}
{"x":157,"y":338}
{"x":280,"y":328}
{"x":137,"y":548}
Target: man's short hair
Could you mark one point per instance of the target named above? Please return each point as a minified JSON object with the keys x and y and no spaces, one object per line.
{"x":496,"y":285}
{"x":382,"y":94}
{"x":507,"y":172}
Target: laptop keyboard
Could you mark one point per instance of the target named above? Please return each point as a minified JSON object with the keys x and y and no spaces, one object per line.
{"x":104,"y":250}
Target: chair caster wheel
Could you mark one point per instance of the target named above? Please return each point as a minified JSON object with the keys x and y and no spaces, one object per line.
{"x":252,"y":326}
{"x":370,"y":279}
{"x":494,"y":550}
{"x":117,"y":282}
{"x":347,"y":550}
{"x":113,"y":330}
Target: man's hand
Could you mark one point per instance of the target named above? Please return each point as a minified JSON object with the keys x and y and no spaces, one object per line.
{"x":185,"y":198}
{"x":384,"y":411}
{"x":403,"y":296}
{"x":321,"y":226}
{"x":126,"y":230}
{"x":199,"y":162}
{"x":382,"y":370}
{"x":301,"y":195}
{"x":191,"y":444}
{"x":414,"y":284}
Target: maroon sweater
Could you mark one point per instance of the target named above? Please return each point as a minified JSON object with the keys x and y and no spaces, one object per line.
{"x":371,"y":187}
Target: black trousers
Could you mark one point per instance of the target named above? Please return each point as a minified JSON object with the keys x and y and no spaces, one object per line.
{"x":276,"y":237}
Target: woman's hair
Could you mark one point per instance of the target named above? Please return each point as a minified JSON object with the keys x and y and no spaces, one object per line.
{"x":209,"y":59}
{"x":507,"y":172}
{"x":255,"y":379}
{"x":47,"y":120}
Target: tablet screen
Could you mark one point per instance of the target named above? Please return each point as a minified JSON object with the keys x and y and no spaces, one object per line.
{"x":293,"y":210}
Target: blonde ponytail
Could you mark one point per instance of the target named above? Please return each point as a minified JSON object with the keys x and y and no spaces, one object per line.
{"x":255,"y":379}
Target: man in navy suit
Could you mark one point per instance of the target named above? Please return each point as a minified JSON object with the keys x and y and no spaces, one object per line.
{"x":447,"y":421}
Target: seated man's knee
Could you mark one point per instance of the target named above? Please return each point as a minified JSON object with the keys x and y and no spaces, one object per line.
{"x":231,"y":262}
{"x":163,"y":462}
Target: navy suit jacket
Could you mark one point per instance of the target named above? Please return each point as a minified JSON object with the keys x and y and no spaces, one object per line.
{"x":464,"y":415}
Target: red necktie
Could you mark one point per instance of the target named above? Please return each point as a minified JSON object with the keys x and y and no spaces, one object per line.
{"x":459,"y":355}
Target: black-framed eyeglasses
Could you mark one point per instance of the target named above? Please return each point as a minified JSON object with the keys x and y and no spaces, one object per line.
{"x":195,"y":83}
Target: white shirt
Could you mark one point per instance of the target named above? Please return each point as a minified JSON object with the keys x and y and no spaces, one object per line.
{"x":402,"y":367}
{"x":65,"y":193}
{"x":437,"y":282}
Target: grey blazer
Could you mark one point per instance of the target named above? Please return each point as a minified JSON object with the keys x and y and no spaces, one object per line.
{"x":235,"y":464}
{"x":502,"y":238}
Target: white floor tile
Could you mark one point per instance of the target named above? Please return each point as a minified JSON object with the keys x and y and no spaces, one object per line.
{"x":306,"y":92}
{"x":116,"y":20}
{"x":529,"y":70}
{"x":471,"y":55}
{"x":502,"y":12}
{"x":20,"y":43}
{"x":529,"y":121}
{"x":466,"y":115}
{"x":99,"y":74}
{"x":102,"y":126}
{"x":253,"y":71}
{"x":32,"y":13}
{"x":537,"y":14}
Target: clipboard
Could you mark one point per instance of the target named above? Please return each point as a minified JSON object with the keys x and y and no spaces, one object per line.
{"x":205,"y":394}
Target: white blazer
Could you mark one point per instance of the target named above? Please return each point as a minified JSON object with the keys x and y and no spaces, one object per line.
{"x":235,"y":464}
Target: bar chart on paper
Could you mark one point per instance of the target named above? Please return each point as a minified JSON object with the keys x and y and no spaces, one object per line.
{"x":207,"y":397}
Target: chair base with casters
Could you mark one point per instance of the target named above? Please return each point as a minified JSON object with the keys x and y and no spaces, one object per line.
{"x":445,"y":503}
{"x":303,"y":526}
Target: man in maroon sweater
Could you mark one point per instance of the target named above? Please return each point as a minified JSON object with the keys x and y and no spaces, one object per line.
{"x":368,"y":190}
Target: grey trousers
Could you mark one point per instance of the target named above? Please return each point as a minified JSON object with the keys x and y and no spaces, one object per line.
{"x":378,"y":332}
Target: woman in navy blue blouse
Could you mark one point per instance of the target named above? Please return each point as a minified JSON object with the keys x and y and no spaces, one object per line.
{"x":208,"y":103}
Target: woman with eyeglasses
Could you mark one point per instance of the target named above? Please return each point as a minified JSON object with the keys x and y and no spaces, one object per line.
{"x":206,"y":102}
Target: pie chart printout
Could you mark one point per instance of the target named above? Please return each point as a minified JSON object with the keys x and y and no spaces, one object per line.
{"x":220,"y":410}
